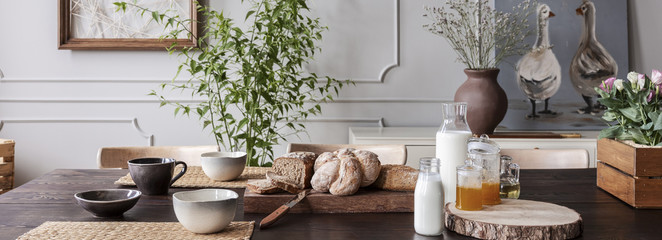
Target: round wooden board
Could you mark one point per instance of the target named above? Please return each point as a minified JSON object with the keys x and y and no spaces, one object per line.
{"x":515,"y":219}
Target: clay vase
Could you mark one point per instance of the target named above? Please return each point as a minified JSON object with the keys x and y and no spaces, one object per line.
{"x":486,"y":101}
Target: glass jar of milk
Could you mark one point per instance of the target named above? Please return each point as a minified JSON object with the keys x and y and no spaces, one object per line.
{"x":428,"y":199}
{"x":451,"y":146}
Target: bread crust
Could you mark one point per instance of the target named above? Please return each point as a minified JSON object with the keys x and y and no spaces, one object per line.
{"x":370,"y":166}
{"x":307,"y":161}
{"x":325,"y":175}
{"x":397,"y":178}
{"x":262,"y":186}
{"x":343,"y":171}
{"x":324,"y":158}
{"x":349,"y":177}
{"x":283,"y":183}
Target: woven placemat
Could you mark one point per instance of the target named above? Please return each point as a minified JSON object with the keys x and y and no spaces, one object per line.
{"x":133,"y":230}
{"x":196,"y":178}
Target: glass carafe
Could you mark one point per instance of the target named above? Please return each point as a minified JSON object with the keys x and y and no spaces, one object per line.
{"x":428,"y":199}
{"x":485,"y":153}
{"x":451,"y":145}
{"x":509,"y":178}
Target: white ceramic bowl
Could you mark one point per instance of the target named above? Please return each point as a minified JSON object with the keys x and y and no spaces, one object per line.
{"x":205,"y":210}
{"x":223,"y":166}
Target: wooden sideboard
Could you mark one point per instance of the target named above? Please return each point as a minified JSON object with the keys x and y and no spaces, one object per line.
{"x":420,"y":141}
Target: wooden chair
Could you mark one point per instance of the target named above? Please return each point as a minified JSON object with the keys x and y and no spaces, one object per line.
{"x":388,"y":154}
{"x":548,"y":158}
{"x":117,"y":157}
{"x":6,"y":165}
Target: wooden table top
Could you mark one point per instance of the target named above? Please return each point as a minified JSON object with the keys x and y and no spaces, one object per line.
{"x":50,"y":198}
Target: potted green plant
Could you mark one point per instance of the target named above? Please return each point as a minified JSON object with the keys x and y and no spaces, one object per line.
{"x":252,"y":79}
{"x":629,"y":150}
{"x":475,"y":30}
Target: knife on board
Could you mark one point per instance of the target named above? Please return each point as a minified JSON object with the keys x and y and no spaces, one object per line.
{"x":275,"y":215}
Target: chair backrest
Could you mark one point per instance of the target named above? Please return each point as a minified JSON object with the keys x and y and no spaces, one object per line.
{"x":388,"y":154}
{"x":548,"y":158}
{"x":117,"y":157}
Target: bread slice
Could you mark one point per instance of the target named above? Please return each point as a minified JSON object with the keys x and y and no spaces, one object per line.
{"x":296,"y":168}
{"x":262,"y":186}
{"x":396,"y":178}
{"x":284,"y":183}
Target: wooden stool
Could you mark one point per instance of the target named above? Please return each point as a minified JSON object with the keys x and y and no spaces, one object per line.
{"x":6,"y":165}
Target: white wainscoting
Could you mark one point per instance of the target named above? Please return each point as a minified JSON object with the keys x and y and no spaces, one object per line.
{"x":61,"y":105}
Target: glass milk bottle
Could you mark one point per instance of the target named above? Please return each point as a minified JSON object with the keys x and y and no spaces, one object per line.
{"x":451,"y":146}
{"x":428,"y":199}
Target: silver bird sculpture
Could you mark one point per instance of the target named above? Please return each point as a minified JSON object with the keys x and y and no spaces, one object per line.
{"x":592,"y":63}
{"x":538,"y":71}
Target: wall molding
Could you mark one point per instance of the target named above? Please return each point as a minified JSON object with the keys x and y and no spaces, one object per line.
{"x":378,"y":120}
{"x":88,"y":80}
{"x":132,"y":121}
{"x":380,"y":78}
{"x":141,"y":100}
{"x":396,"y":48}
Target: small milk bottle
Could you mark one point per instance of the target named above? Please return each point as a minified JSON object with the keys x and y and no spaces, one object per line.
{"x":428,"y":199}
{"x":451,"y":146}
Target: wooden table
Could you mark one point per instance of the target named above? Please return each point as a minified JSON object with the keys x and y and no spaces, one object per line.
{"x":50,"y":198}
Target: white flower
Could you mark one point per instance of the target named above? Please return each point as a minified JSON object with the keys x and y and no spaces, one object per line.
{"x":632,"y":77}
{"x":618,"y":84}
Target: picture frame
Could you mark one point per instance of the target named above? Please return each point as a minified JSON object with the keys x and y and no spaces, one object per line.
{"x":565,"y":30}
{"x":68,"y":39}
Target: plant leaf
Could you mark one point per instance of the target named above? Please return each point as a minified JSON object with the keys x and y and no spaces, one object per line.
{"x":638,"y":136}
{"x":631,"y":113}
{"x":610,"y":132}
{"x":658,"y":122}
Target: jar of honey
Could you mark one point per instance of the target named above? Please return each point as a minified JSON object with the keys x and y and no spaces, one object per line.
{"x":469,"y":187}
{"x":485,"y":153}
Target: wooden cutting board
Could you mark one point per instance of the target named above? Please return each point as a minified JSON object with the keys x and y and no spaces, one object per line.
{"x":366,"y":200}
{"x":515,"y":219}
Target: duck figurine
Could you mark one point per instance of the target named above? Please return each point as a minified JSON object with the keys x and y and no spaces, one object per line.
{"x":538,"y":71}
{"x":592,"y":64}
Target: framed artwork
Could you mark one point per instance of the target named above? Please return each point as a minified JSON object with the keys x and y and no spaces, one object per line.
{"x":575,"y":45}
{"x":96,"y":25}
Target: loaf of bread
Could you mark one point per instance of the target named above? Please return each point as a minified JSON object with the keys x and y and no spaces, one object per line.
{"x":397,"y":178}
{"x":349,"y":177}
{"x":262,"y":186}
{"x":292,"y":172}
{"x":370,"y":166}
{"x":345,"y":170}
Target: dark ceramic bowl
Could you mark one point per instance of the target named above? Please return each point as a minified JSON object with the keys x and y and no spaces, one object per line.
{"x":108,"y":202}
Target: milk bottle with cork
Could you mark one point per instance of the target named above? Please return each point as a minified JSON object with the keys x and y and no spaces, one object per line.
{"x":451,"y":146}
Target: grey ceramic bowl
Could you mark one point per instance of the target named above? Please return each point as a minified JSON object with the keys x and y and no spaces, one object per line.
{"x":205,"y":210}
{"x":223,"y":166}
{"x":108,"y":202}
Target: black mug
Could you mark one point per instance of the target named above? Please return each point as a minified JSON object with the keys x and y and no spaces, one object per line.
{"x":153,"y":176}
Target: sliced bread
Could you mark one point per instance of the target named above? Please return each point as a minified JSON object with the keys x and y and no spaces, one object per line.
{"x":396,"y":178}
{"x":284,"y":183}
{"x":262,"y":186}
{"x":296,"y":168}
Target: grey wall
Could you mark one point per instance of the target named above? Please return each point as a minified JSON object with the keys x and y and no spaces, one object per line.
{"x":60,"y":106}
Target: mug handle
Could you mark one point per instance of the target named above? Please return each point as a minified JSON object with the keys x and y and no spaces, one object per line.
{"x":180,"y":174}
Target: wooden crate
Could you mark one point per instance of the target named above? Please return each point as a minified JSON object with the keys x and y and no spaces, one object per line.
{"x":632,"y":174}
{"x":6,"y":165}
